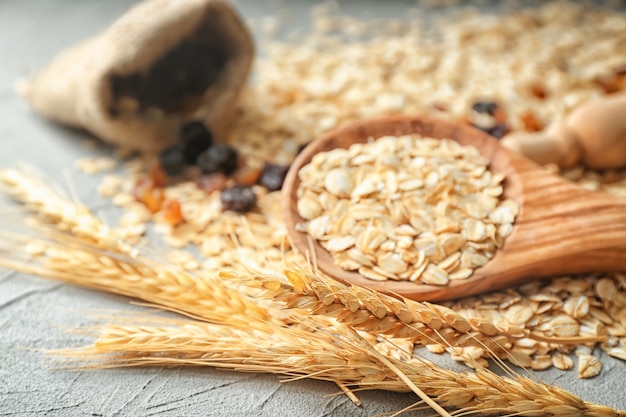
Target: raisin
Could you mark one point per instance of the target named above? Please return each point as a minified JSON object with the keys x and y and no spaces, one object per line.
{"x":488,"y":107}
{"x":211,"y":182}
{"x":218,"y":158}
{"x":194,"y":138}
{"x":238,"y":198}
{"x":247,"y":175}
{"x":538,"y":91}
{"x":173,"y":214}
{"x":273,"y":175}
{"x":148,"y":194}
{"x":172,"y":160}
{"x":176,"y":81}
{"x":158,"y":176}
{"x":531,"y":122}
{"x":497,"y":131}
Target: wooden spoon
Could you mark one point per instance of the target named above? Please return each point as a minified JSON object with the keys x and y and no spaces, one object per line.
{"x":561,"y":228}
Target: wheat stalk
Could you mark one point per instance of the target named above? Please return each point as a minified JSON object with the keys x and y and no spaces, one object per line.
{"x":304,"y":350}
{"x":208,"y":298}
{"x":377,"y":313}
{"x":201,"y":296}
{"x":328,"y":351}
{"x":140,"y":278}
{"x":56,"y":209}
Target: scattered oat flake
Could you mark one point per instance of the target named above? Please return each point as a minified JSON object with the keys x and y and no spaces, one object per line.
{"x":95,"y":165}
{"x":618,"y":352}
{"x":588,"y":366}
{"x":562,"y":361}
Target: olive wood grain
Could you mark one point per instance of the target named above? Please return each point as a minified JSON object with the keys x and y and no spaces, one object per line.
{"x":561,"y":228}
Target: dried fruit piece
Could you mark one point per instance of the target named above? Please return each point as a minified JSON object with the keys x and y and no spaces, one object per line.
{"x":195,"y":138}
{"x":238,"y":198}
{"x":218,"y":158}
{"x":490,"y":118}
{"x":173,"y":214}
{"x":498,"y":130}
{"x":531,"y":122}
{"x":538,"y":91}
{"x":487,"y":107}
{"x":175,"y":82}
{"x":147,"y":193}
{"x":211,"y":182}
{"x":172,"y":160}
{"x":247,"y":175}
{"x":158,"y":176}
{"x":273,"y":175}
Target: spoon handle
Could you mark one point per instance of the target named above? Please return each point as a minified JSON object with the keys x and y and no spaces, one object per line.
{"x":561,"y":229}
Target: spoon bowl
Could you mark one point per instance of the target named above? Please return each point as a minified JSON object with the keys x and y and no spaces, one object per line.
{"x":561,"y":227}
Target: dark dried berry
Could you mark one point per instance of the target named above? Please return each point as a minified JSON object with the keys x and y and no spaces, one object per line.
{"x":218,"y":158}
{"x":497,"y":131}
{"x":238,"y":198}
{"x":178,"y":78}
{"x":273,"y":176}
{"x":172,"y":160}
{"x":212,"y":182}
{"x":194,"y":138}
{"x":488,"y":107}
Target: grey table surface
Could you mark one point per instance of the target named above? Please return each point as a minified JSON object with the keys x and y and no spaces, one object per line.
{"x":34,"y":312}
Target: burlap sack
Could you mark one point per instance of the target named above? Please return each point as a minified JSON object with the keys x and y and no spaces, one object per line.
{"x":162,"y":63}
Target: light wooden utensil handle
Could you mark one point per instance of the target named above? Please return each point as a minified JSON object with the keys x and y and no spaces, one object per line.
{"x":593,"y":135}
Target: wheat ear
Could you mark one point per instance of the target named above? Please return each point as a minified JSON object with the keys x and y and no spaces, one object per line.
{"x":201,"y":296}
{"x":368,"y":310}
{"x":329,"y":351}
{"x":56,"y":209}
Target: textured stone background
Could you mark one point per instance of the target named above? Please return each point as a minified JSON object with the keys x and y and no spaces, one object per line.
{"x":34,"y":312}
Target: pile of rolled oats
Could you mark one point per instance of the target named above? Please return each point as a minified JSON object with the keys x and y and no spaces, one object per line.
{"x":535,"y":63}
{"x":405,"y":208}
